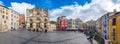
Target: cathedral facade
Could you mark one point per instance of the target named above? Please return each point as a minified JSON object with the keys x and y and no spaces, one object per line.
{"x":37,"y":19}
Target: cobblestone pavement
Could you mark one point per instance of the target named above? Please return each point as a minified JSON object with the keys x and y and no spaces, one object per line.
{"x":55,"y":37}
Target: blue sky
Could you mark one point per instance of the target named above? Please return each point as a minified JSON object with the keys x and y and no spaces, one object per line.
{"x":51,"y":4}
{"x":83,"y":9}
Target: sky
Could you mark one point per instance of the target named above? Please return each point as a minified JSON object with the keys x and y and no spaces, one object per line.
{"x":72,"y":9}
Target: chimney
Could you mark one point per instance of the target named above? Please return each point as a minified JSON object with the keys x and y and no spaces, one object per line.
{"x":114,"y":10}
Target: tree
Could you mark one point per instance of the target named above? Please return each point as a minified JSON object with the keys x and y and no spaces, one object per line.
{"x":53,"y":22}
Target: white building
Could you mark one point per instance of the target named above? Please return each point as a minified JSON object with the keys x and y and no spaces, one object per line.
{"x":14,"y":20}
{"x":105,"y":26}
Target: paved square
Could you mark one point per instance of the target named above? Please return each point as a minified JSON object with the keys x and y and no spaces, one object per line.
{"x":55,"y":37}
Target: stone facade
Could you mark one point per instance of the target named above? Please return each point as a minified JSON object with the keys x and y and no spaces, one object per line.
{"x":37,"y":19}
{"x":91,"y":25}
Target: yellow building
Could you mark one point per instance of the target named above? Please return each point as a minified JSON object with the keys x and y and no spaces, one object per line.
{"x":99,"y":26}
{"x":115,"y":28}
{"x":8,"y":19}
{"x":52,"y":27}
{"x":73,"y":24}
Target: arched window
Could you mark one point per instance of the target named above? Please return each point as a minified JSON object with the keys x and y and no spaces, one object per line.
{"x":45,"y":19}
{"x":44,"y":14}
{"x":38,"y":13}
{"x":31,"y":15}
{"x":31,"y":20}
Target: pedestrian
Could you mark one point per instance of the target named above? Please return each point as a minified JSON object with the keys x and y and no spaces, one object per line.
{"x":91,"y":37}
{"x":74,"y":30}
{"x":45,"y":30}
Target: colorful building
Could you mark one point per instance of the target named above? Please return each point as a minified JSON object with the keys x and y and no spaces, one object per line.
{"x":105,"y":26}
{"x":71,"y":24}
{"x":99,"y":27}
{"x":108,"y":27}
{"x":62,"y":23}
{"x":115,"y":28}
{"x":21,"y":20}
{"x":52,"y":27}
{"x":77,"y":23}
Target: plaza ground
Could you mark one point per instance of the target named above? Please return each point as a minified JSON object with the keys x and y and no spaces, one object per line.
{"x":56,"y":37}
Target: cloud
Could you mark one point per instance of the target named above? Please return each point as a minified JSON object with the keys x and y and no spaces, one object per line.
{"x":1,"y":3}
{"x":21,"y":7}
{"x":89,"y":11}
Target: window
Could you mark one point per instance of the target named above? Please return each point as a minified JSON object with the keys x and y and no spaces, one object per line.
{"x":114,"y":34}
{"x":114,"y":21}
{"x":45,"y":25}
{"x":38,"y":13}
{"x":114,"y":38}
{"x":7,"y":13}
{"x":31,"y":15}
{"x":11,"y":14}
{"x":3,"y":11}
{"x":44,"y":15}
{"x":31,"y":25}
{"x":14,"y":16}
{"x":6,"y":17}
{"x":3,"y":16}
{"x":11,"y":23}
{"x":11,"y":19}
{"x":3,"y":8}
{"x":4,"y":21}
{"x":11,"y":27}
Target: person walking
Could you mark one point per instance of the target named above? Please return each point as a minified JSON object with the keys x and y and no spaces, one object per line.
{"x":91,"y":37}
{"x":45,"y":31}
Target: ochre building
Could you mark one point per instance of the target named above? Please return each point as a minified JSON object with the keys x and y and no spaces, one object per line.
{"x":115,"y":28}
